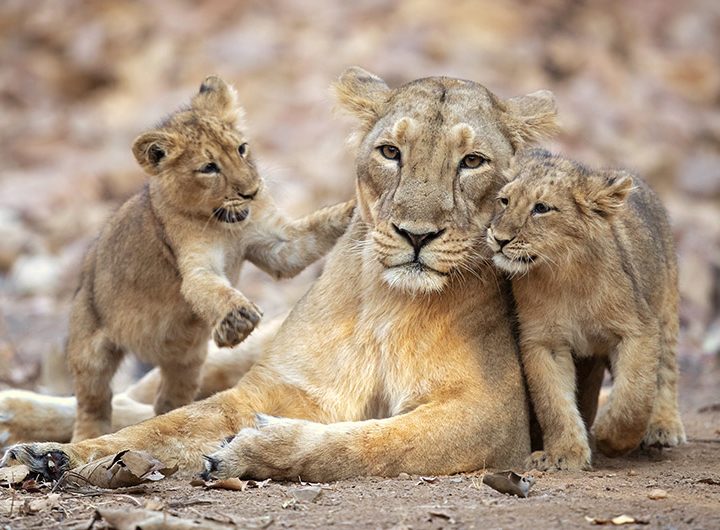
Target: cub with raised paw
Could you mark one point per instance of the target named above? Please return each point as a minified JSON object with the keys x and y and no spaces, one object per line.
{"x":594,"y":275}
{"x":158,"y":281}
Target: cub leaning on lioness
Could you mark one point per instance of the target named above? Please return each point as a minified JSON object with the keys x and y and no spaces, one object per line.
{"x":158,"y":280}
{"x":594,"y":274}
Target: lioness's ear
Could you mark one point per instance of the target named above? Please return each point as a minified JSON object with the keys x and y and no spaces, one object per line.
{"x":531,"y":117}
{"x":362,"y":94}
{"x":606,"y":191}
{"x":153,"y":149}
{"x":218,"y":97}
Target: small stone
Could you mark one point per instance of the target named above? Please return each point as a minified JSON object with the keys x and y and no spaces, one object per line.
{"x":403,"y":476}
{"x":306,"y":493}
{"x":657,"y":494}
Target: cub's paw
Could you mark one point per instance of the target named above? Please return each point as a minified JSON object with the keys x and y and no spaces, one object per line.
{"x":49,"y":460}
{"x":613,"y":439}
{"x":570,"y":460}
{"x":236,"y":325}
{"x":664,"y":434}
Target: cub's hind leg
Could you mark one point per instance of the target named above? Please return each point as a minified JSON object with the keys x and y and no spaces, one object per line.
{"x":666,"y":428}
{"x":93,"y":360}
{"x":180,"y":370}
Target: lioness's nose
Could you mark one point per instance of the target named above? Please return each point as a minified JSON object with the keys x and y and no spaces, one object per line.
{"x":417,"y":240}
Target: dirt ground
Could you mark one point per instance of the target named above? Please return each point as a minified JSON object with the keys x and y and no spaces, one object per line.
{"x":637,"y":84}
{"x":689,"y":475}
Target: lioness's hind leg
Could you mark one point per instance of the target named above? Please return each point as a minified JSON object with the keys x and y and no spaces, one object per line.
{"x":27,"y":416}
{"x":93,"y":360}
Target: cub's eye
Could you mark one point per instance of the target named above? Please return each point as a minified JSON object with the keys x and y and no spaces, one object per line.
{"x":243,"y":149}
{"x":390,"y":152}
{"x":540,"y":208}
{"x":473,"y":161}
{"x":503,"y":200}
{"x":212,"y":167}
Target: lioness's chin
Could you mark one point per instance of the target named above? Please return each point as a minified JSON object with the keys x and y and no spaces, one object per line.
{"x":414,"y":279}
{"x":511,"y":265}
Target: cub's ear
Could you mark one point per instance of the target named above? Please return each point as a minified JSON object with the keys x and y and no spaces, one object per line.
{"x":218,"y":97}
{"x":153,"y":149}
{"x":531,"y":117}
{"x":606,"y":191}
{"x":361,"y":94}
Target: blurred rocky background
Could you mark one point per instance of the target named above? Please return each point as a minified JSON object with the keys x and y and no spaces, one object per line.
{"x":638,"y":85}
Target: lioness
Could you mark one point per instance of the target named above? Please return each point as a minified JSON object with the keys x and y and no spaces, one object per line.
{"x":594,"y":274}
{"x":401,"y":357}
{"x":158,"y":280}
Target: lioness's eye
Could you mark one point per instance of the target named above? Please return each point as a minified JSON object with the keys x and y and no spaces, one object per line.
{"x":390,"y":152}
{"x":212,"y":167}
{"x":504,"y":201}
{"x":473,"y":161}
{"x":540,"y":208}
{"x":243,"y":149}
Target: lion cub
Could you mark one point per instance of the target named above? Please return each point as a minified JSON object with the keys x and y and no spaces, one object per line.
{"x":158,"y":280}
{"x":594,"y":274}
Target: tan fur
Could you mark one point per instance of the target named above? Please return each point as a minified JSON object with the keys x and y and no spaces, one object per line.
{"x":595,"y":276}
{"x":400,"y":358}
{"x":158,"y":280}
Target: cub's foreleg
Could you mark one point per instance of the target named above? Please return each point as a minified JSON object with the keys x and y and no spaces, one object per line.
{"x":624,"y":422}
{"x":551,"y":381}
{"x":207,"y":289}
{"x":284,"y":248}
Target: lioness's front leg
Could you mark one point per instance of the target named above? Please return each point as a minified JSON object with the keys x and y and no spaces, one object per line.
{"x":551,"y":381}
{"x":181,"y":436}
{"x":415,"y":442}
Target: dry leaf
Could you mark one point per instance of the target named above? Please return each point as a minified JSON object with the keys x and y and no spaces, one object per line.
{"x":19,"y":506}
{"x":657,"y":494}
{"x":510,"y":483}
{"x":152,"y":520}
{"x":124,"y":469}
{"x":709,"y":480}
{"x":9,"y":476}
{"x":427,"y":480}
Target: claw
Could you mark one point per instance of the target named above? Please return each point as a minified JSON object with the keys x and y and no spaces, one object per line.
{"x":211,"y":465}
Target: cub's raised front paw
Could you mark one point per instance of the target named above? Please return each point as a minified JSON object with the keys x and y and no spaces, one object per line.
{"x":48,"y":460}
{"x":670,"y":433}
{"x":236,"y":325}
{"x":565,"y":460}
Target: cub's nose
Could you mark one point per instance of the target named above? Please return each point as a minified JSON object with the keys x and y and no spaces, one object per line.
{"x":245,"y":195}
{"x":417,"y":240}
{"x":501,"y":242}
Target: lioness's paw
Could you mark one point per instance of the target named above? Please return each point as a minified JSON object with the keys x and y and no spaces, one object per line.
{"x":236,"y":325}
{"x":268,"y":451}
{"x":571,"y":460}
{"x":46,"y":459}
{"x":664,"y":434}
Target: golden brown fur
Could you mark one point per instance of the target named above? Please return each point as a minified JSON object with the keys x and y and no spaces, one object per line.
{"x":594,"y":274}
{"x":158,"y":280}
{"x":400,"y":358}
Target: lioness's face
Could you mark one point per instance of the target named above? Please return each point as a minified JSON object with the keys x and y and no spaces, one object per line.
{"x":549,"y":210}
{"x":429,"y":165}
{"x":202,"y":156}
